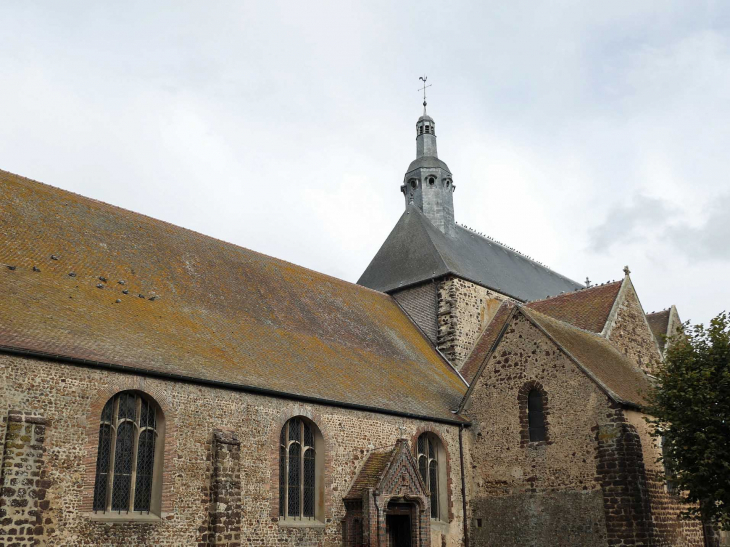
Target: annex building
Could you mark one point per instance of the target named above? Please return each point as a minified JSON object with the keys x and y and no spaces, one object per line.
{"x":161,"y":387}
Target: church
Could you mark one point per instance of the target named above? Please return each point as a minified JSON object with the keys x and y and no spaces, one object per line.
{"x":161,"y":387}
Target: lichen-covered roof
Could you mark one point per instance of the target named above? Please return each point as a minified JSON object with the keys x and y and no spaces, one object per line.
{"x":371,"y":473}
{"x":659,"y":324}
{"x":613,"y":370}
{"x":417,"y":251}
{"x":196,"y":307}
{"x":586,"y":309}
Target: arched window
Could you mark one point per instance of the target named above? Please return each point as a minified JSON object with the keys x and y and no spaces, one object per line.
{"x":128,"y":467}
{"x":535,"y":416}
{"x":300,"y":470}
{"x":431,"y":458}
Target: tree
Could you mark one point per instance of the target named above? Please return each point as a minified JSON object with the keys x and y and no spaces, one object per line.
{"x":690,"y":410}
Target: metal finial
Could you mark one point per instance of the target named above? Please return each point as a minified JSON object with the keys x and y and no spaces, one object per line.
{"x":423,"y":79}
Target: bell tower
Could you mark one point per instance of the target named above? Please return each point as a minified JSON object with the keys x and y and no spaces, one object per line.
{"x":428,"y":183}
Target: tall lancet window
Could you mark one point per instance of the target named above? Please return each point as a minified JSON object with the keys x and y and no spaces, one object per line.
{"x":299,"y":470}
{"x":535,"y":416}
{"x":431,"y":464}
{"x":128,"y":470}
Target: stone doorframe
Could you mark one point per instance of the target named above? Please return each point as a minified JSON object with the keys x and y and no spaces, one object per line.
{"x":386,"y":477}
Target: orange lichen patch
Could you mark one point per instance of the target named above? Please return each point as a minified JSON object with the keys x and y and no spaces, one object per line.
{"x":371,"y":473}
{"x":488,"y":337}
{"x":586,"y":309}
{"x":659,"y":325}
{"x":609,"y":367}
{"x":208,"y":309}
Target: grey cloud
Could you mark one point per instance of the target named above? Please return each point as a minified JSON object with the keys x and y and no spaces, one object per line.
{"x":624,"y":222}
{"x":711,"y":240}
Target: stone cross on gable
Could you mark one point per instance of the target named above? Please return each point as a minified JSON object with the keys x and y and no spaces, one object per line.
{"x":402,"y":430}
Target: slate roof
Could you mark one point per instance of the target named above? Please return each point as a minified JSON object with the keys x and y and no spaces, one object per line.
{"x":586,"y":309}
{"x":417,"y":251}
{"x":613,"y":371}
{"x":659,"y":324}
{"x":208,"y":310}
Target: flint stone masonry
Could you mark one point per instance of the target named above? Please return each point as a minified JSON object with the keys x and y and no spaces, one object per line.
{"x":23,"y":482}
{"x":65,"y":394}
{"x":588,"y":484}
{"x":464,"y":310}
{"x":630,"y":331}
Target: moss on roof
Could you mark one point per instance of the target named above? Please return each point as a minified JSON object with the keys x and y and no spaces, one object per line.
{"x":93,"y":281}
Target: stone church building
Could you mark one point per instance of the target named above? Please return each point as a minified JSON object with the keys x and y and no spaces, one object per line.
{"x":161,"y":387}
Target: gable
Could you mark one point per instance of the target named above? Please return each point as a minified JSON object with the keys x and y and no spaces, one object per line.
{"x":629,"y":330}
{"x":595,"y":356}
{"x":97,"y":283}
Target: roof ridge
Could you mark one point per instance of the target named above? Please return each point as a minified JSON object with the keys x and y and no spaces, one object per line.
{"x":190,"y":230}
{"x":584,"y":289}
{"x":515,"y":251}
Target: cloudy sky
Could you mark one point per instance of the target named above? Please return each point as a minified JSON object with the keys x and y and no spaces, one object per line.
{"x":589,"y":135}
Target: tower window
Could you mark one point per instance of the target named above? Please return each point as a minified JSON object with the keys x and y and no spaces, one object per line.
{"x":414,"y":183}
{"x":432,"y":181}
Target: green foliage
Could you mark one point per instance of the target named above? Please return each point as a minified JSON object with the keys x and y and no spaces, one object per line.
{"x":690,"y":409}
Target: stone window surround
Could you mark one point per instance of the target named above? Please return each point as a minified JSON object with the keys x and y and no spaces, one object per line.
{"x":324,"y":482}
{"x":444,"y":468}
{"x":522,"y":401}
{"x":159,"y":431}
{"x":318,"y":449}
{"x":164,"y":478}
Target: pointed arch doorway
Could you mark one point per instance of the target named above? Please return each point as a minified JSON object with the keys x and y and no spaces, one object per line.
{"x":387,"y":504}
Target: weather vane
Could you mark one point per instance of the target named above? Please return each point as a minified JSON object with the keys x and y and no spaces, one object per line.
{"x":423,"y":79}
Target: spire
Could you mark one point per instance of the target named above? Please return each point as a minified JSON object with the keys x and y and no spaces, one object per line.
{"x":423,"y":79}
{"x":427,"y":183}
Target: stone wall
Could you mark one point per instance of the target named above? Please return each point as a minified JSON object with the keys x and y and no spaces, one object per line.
{"x":535,"y":493}
{"x":23,"y":482}
{"x":464,"y":310}
{"x":421,"y":304}
{"x":630,"y":332}
{"x":668,"y":528}
{"x":65,"y":394}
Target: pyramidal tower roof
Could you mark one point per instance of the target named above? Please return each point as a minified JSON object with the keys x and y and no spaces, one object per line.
{"x":427,"y":243}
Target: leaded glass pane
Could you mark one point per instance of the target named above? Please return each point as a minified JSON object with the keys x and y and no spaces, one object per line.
{"x":145,"y":466}
{"x":423,"y":468}
{"x":535,"y":416}
{"x":103,"y":459}
{"x":106,"y":414}
{"x":127,"y":406}
{"x":295,"y":433}
{"x":534,"y":401}
{"x":122,"y":467}
{"x":422,"y":444}
{"x":308,"y":436}
{"x":433,"y":485}
{"x":147,"y":415}
{"x":308,"y":487}
{"x":431,"y":449}
{"x":293,"y":506}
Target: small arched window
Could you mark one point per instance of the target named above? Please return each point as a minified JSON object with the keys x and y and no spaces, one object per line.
{"x":431,"y":458}
{"x":535,"y":416}
{"x":300,"y":470}
{"x":128,"y":469}
{"x":432,"y":181}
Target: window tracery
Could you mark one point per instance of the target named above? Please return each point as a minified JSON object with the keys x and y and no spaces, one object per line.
{"x":298,"y":469}
{"x":429,"y":448}
{"x":125,"y":462}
